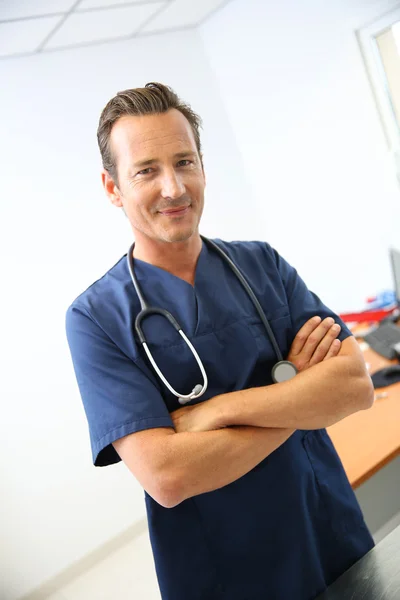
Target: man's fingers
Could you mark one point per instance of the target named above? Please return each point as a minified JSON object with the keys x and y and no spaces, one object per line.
{"x":334,"y":349}
{"x":303,"y":335}
{"x":317,"y":336}
{"x":325,"y":344}
{"x":315,"y":342}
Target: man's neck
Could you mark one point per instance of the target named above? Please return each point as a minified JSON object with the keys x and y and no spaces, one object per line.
{"x":178,"y":258}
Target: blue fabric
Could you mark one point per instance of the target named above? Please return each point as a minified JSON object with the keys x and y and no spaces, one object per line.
{"x":292,"y":525}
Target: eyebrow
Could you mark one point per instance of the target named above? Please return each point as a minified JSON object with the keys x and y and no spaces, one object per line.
{"x":151,"y":161}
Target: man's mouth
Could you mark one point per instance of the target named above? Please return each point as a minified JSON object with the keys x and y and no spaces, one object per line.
{"x":175,"y":212}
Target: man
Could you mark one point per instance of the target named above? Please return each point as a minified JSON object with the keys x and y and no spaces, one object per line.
{"x":245,"y":495}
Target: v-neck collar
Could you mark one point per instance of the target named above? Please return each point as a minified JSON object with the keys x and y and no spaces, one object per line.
{"x":172,"y":293}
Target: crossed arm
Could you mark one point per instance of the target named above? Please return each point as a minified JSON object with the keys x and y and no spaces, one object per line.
{"x":317,"y":397}
{"x":216,"y":442}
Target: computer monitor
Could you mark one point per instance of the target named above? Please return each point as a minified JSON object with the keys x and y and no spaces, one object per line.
{"x":395,"y":260}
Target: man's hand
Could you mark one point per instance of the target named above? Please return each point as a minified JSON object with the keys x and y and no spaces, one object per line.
{"x":316,"y":341}
{"x":192,"y":418}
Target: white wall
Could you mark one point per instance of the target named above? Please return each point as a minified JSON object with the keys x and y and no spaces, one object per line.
{"x":297,"y":95}
{"x":58,"y":235}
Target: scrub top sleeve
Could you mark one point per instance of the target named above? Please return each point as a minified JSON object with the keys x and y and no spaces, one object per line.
{"x":117,"y":395}
{"x":304,"y":304}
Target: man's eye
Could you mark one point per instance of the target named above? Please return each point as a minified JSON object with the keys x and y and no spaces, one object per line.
{"x":184,"y":163}
{"x":145,"y":171}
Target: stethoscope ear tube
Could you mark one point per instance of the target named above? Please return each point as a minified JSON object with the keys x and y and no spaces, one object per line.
{"x":251,"y":295}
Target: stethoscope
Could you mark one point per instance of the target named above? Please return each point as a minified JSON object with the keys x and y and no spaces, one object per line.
{"x":281,"y":371}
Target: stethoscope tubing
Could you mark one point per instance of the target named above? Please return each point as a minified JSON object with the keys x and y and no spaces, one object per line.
{"x":147,"y":310}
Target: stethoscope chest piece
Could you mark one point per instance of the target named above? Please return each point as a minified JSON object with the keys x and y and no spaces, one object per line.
{"x":283,"y":371}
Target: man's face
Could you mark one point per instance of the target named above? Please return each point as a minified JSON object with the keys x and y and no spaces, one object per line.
{"x":160,"y":175}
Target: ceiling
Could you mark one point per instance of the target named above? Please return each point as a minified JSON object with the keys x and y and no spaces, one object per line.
{"x":32,"y":26}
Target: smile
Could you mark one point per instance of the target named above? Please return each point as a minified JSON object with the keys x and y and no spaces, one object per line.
{"x":175,"y":212}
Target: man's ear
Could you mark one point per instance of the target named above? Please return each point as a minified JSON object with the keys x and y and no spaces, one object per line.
{"x":111,"y":188}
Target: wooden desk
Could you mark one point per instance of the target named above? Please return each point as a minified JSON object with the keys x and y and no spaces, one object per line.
{"x":368,"y":440}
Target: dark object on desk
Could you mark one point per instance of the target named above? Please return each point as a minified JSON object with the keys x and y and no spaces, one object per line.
{"x":375,"y":577}
{"x":385,"y":340}
{"x":386,"y":376}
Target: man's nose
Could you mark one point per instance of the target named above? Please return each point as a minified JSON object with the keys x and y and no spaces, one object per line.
{"x":172,"y":185}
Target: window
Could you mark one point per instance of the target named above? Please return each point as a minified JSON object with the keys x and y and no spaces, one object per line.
{"x":380,"y":46}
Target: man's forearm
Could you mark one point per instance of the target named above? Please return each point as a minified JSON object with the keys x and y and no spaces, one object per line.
{"x":315,"y":398}
{"x":205,"y":461}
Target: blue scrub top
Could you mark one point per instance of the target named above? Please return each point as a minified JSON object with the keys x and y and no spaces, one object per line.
{"x":290,"y":526}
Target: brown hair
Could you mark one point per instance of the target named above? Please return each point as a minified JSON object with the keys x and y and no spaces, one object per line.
{"x":154,"y":98}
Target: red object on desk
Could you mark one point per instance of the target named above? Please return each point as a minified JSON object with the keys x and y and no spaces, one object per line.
{"x":367,"y":315}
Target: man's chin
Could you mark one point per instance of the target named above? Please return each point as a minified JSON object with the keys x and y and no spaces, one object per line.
{"x":181,"y":235}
